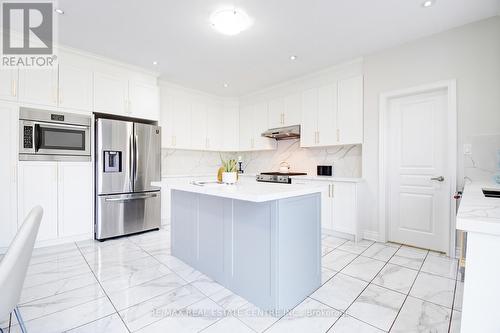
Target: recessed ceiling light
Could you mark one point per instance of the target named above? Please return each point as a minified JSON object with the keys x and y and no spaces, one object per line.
{"x":59,"y":11}
{"x":428,"y":3}
{"x":225,"y":85}
{"x":155,"y":63}
{"x":230,"y":21}
{"x":293,"y":57}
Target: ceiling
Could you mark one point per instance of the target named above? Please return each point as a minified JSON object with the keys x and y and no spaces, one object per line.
{"x":321,"y":33}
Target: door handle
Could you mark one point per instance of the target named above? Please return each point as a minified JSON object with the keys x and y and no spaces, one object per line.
{"x":439,"y":179}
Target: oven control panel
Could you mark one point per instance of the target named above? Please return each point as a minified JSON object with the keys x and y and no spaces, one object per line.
{"x":28,"y":137}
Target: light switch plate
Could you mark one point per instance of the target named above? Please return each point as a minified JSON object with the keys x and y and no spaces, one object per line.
{"x":467,"y":149}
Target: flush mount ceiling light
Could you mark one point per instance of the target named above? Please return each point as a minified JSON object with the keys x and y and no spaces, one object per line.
{"x":293,"y":57}
{"x":225,"y":85}
{"x":59,"y":11}
{"x":428,"y":3}
{"x":230,"y":21}
{"x":155,"y":63}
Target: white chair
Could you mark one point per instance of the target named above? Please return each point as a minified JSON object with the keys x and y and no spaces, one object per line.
{"x":15,"y":263}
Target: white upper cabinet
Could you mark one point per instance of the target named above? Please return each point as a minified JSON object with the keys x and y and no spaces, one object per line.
{"x":111,"y":94}
{"x":327,"y":116}
{"x":309,"y":123}
{"x":261,"y":124}
{"x":231,"y":127}
{"x":215,"y":130}
{"x":9,"y":79}
{"x":350,"y":110}
{"x":144,"y":100}
{"x":253,"y":122}
{"x":181,"y":122}
{"x":8,"y":167}
{"x":38,"y":86}
{"x":333,"y":114}
{"x":246,"y":129}
{"x":198,"y":128}
{"x":292,"y":109}
{"x":75,"y":87}
{"x":276,"y":113}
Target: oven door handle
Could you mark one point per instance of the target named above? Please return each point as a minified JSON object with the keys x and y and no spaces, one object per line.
{"x":56,"y":125}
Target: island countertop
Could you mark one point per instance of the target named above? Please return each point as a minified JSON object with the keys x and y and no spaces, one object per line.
{"x":478,"y":213}
{"x":249,"y":190}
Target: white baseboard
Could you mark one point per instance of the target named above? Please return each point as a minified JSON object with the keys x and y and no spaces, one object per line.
{"x":370,"y":235}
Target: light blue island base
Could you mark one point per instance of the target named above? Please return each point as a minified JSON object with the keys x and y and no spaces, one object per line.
{"x":267,"y":252}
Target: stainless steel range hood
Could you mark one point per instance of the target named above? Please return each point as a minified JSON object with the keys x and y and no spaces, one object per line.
{"x":283,"y":133}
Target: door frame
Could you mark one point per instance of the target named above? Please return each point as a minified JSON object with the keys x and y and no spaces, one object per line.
{"x":450,"y":87}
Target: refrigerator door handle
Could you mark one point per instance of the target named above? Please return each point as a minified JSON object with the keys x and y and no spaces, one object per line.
{"x":136,"y":155}
{"x":131,"y":162}
{"x":136,"y":197}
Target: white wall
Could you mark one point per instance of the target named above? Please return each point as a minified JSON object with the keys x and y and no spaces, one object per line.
{"x":469,"y":54}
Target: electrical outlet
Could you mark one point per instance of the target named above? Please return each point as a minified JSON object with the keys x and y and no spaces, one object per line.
{"x":467,"y":149}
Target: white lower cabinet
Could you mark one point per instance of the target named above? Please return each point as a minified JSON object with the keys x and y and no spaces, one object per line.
{"x":64,"y":191}
{"x":8,"y":170}
{"x":38,"y":186}
{"x":339,"y":206}
{"x":75,"y":196}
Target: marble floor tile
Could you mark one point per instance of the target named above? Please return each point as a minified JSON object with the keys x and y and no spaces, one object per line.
{"x":96,"y":259}
{"x":143,"y":292}
{"x":57,"y":287}
{"x":309,"y":316}
{"x":326,"y":274}
{"x":109,"y":324}
{"x":377,"y":306}
{"x":433,"y":288}
{"x":91,"y":245}
{"x":396,"y":277}
{"x":421,"y":316}
{"x":50,"y":253}
{"x":409,"y":257}
{"x":58,"y":273}
{"x":337,"y":260}
{"x":71,"y":317}
{"x":459,"y":296}
{"x":228,"y":300}
{"x":340,"y":291}
{"x":348,"y":324}
{"x":441,"y":266}
{"x":160,"y":307}
{"x":58,"y":264}
{"x":356,"y":248}
{"x":363,"y":268}
{"x":325,"y":250}
{"x":59,"y":302}
{"x":190,"y":274}
{"x":113,"y":270}
{"x":135,"y":277}
{"x":380,"y":251}
{"x":255,"y":318}
{"x":332,"y":241}
{"x":172,"y":262}
{"x":228,"y":324}
{"x":456,"y":319}
{"x":198,"y":317}
{"x":206,"y":285}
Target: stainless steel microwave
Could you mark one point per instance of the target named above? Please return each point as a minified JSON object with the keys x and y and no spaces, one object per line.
{"x":53,"y":136}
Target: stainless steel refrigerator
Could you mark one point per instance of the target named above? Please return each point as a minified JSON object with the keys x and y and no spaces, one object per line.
{"x":127,"y":161}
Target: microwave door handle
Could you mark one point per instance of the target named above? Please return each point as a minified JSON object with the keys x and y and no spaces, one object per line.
{"x":37,"y":137}
{"x":55,"y":125}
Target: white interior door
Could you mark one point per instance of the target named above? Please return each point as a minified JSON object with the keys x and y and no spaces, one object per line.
{"x":418,"y":199}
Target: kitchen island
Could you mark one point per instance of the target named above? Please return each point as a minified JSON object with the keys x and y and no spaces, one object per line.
{"x":261,"y":241}
{"x":480,"y":217}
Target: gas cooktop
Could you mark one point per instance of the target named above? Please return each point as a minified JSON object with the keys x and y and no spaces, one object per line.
{"x":278,"y":177}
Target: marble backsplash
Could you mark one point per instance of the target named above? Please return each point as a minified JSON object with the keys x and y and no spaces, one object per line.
{"x":484,"y":161}
{"x":345,"y":159}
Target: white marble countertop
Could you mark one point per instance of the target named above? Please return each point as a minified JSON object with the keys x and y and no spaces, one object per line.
{"x":329,"y":178}
{"x":478,"y":213}
{"x":248,"y":190}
